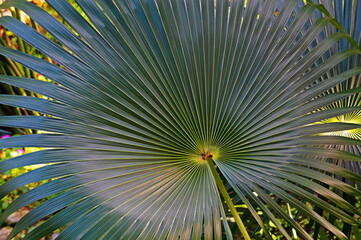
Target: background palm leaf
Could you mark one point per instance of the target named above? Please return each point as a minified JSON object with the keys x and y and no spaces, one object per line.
{"x":347,"y":14}
{"x":147,"y":88}
{"x":9,"y":67}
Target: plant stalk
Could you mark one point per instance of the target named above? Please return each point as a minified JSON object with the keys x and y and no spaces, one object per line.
{"x":228,"y":200}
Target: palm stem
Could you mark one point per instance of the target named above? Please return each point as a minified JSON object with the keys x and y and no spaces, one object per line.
{"x":226,"y":197}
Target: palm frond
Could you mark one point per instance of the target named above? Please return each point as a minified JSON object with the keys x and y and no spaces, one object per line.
{"x":147,"y":88}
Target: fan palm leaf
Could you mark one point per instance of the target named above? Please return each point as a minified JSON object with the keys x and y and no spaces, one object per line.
{"x":347,"y":15}
{"x":155,"y":100}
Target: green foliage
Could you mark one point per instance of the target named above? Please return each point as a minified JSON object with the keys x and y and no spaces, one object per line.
{"x":11,"y":68}
{"x":7,"y":176}
{"x":184,"y":119}
{"x":10,"y":174}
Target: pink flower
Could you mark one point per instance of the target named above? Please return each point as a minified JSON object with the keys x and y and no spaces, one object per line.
{"x":5,"y":136}
{"x":21,"y":151}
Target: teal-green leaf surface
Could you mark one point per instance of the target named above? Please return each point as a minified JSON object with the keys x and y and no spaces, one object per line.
{"x":145,"y":89}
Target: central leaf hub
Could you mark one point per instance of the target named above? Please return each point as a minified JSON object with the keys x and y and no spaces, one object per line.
{"x":206,"y":155}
